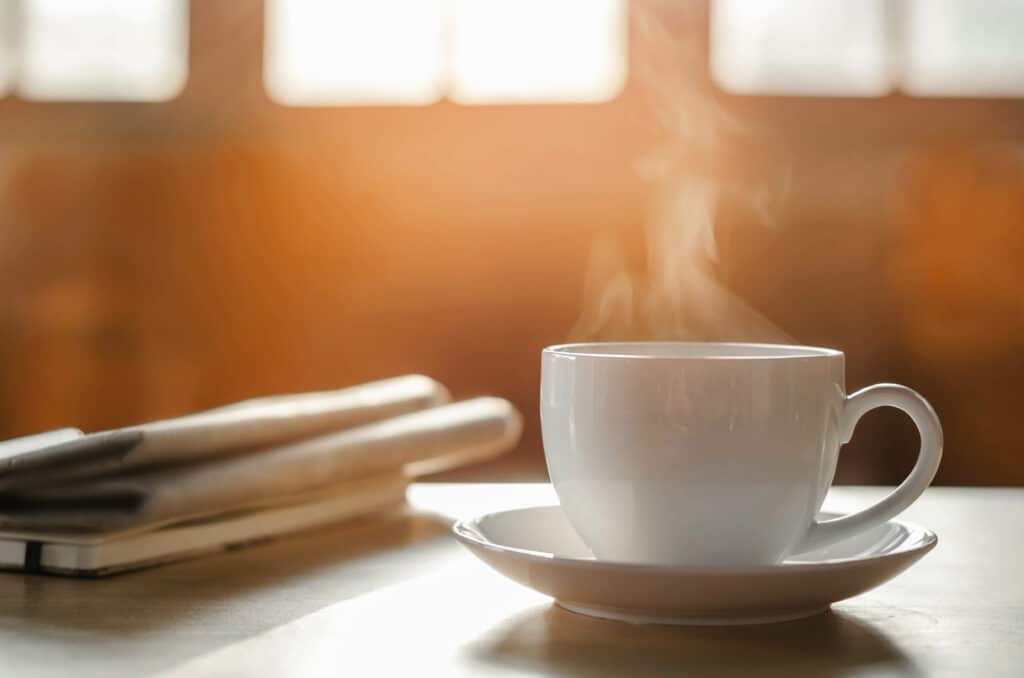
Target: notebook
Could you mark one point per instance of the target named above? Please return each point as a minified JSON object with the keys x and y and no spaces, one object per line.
{"x":97,"y":555}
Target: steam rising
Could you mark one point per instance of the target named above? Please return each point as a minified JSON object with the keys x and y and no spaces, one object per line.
{"x":678,"y":296}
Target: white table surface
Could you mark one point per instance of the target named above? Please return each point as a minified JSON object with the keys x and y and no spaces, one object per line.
{"x":396,"y":595}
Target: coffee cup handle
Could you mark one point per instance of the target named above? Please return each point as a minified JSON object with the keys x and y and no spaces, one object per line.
{"x":856,"y":406}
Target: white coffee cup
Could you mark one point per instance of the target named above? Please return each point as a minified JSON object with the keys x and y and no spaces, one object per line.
{"x":710,"y":454}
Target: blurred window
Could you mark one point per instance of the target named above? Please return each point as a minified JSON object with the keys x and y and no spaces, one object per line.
{"x":6,"y":46}
{"x":325,"y":52}
{"x":803,"y":47}
{"x":537,"y":50}
{"x":102,"y":50}
{"x":868,"y":47}
{"x":961,"y":48}
{"x":356,"y":52}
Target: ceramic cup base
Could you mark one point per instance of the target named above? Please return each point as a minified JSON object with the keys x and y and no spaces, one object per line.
{"x":738,"y":619}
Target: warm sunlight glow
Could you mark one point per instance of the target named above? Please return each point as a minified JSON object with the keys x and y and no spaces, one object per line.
{"x":801,"y":47}
{"x":119,"y":50}
{"x":352,"y":52}
{"x":538,"y":50}
{"x":964,"y":48}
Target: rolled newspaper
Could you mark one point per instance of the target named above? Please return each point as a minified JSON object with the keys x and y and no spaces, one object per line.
{"x":419,"y":442}
{"x":239,"y":427}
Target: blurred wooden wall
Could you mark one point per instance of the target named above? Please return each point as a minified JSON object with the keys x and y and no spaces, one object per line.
{"x":159,"y":258}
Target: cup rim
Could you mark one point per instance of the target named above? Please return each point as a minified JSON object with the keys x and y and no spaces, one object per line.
{"x":691,"y":350}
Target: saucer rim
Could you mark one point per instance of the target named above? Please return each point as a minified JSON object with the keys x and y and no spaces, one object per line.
{"x":465,"y":534}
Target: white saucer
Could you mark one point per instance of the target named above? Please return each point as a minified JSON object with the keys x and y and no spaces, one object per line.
{"x":537,"y":548}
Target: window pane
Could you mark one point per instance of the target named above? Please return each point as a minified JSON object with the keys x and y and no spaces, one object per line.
{"x":6,"y":45}
{"x":322,"y":52}
{"x":965,"y":48}
{"x":818,"y":47}
{"x":134,"y":50}
{"x":538,"y":50}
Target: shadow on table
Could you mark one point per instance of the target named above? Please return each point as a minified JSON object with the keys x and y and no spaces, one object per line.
{"x":552,"y":640}
{"x":176,"y":611}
